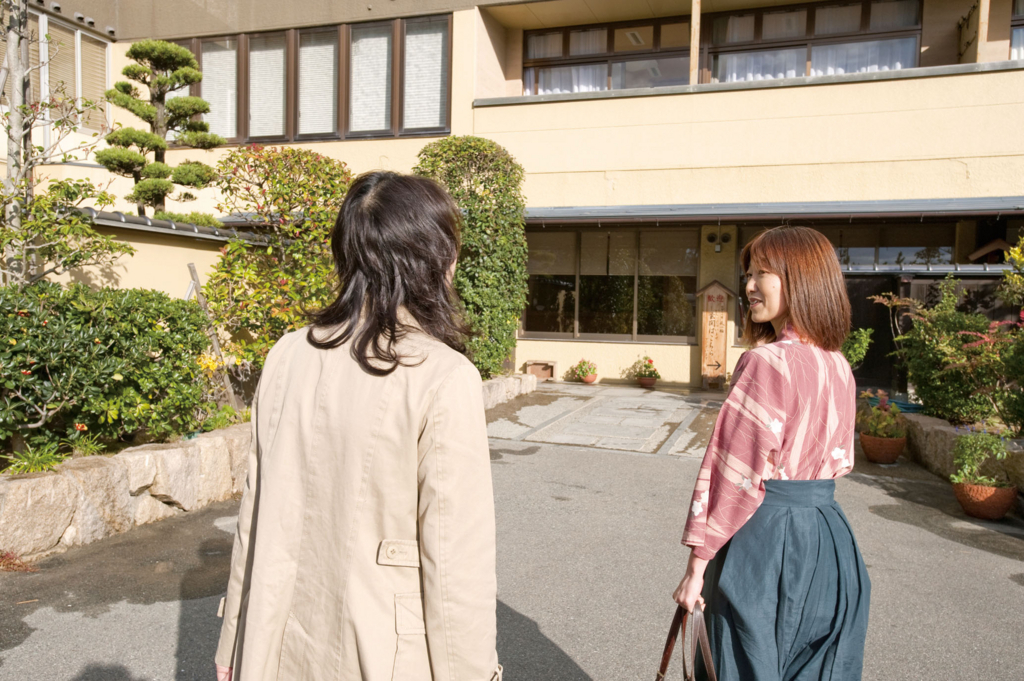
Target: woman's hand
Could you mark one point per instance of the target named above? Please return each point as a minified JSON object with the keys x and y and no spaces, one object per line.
{"x":688,"y":591}
{"x":223,"y":673}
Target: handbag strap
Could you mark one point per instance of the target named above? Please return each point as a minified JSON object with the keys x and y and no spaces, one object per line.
{"x":698,"y":636}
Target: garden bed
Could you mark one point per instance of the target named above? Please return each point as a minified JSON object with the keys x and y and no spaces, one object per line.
{"x":88,"y":498}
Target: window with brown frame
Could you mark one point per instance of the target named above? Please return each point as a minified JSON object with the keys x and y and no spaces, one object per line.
{"x":1017,"y":31}
{"x":617,"y":284}
{"x":820,"y":39}
{"x":616,"y":56}
{"x":380,"y":79}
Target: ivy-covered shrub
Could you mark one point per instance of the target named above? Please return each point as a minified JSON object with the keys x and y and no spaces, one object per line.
{"x":486,"y":183}
{"x":937,"y":351}
{"x":76,"y":362}
{"x":256,"y":294}
{"x":856,"y":345}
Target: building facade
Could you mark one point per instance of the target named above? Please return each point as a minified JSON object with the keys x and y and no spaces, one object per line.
{"x":657,"y":137}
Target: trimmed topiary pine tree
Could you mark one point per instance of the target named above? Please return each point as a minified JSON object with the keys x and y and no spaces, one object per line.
{"x":161,"y":68}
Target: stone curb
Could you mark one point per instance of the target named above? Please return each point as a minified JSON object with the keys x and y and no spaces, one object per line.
{"x":87,"y":499}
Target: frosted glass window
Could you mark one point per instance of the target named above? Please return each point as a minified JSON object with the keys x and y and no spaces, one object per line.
{"x":425,"y":97}
{"x":551,"y":293}
{"x":61,"y":65}
{"x":318,"y":82}
{"x":370,"y":86}
{"x":864,"y":57}
{"x":551,"y":253}
{"x":837,"y":19}
{"x":607,"y":269}
{"x":588,"y":41}
{"x":735,"y":29}
{"x":1017,"y":44}
{"x":634,"y":38}
{"x":891,"y":15}
{"x":651,"y":72}
{"x":266,"y":86}
{"x":544,"y":45}
{"x":666,"y":288}
{"x":675,"y":35}
{"x":768,"y":65}
{"x":220,"y":85}
{"x":779,"y":25}
{"x":94,"y":80}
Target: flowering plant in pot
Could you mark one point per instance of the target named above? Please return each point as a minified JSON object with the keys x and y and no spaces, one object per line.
{"x":584,"y":370}
{"x":884,"y":435}
{"x":981,"y":496}
{"x":645,"y":372}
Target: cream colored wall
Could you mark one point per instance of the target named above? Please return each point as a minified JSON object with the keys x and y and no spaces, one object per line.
{"x":160,"y":262}
{"x":675,"y":363}
{"x":994,"y":44}
{"x":916,"y":138}
{"x":939,"y":34}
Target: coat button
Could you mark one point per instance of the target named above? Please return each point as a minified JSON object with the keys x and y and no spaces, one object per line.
{"x":392,"y":551}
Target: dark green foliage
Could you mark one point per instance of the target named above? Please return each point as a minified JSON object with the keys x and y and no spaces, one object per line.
{"x":486,"y":183}
{"x":121,"y":161}
{"x":151,"y":191}
{"x":195,"y":218}
{"x":194,"y":174}
{"x":163,"y":68}
{"x":146,"y":142}
{"x":160,"y":171}
{"x":935,"y":351}
{"x":856,"y":345}
{"x":107,"y":363}
{"x":971,"y":452}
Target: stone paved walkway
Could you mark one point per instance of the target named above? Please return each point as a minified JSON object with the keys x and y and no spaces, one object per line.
{"x":618,"y":417}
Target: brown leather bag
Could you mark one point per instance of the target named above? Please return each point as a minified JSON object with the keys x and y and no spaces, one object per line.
{"x":699,"y":634}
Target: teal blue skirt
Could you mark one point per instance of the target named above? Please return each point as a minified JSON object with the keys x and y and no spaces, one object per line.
{"x":787,"y":598}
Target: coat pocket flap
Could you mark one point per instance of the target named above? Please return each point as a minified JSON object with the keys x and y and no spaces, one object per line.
{"x":399,"y":552}
{"x":409,"y":614}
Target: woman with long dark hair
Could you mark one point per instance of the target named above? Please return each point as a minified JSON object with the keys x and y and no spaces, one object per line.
{"x":773,"y":557}
{"x":365,"y":545}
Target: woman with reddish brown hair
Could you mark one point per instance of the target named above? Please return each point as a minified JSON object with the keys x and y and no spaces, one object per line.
{"x":773,"y":558}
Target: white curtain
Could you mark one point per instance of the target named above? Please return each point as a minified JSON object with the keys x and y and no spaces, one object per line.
{"x":889,"y":15}
{"x":220,"y":85}
{"x":266,"y":86}
{"x":426,"y":74}
{"x":837,"y":19}
{"x":544,"y":45}
{"x":370,"y":89}
{"x":1017,"y":44}
{"x":588,"y":41}
{"x":873,"y":55}
{"x":770,"y":65}
{"x":318,"y":82}
{"x":736,"y":29}
{"x":777,"y":25}
{"x":582,"y":78}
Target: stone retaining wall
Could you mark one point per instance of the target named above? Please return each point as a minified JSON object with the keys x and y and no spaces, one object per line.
{"x":930,"y":443}
{"x":86,"y":499}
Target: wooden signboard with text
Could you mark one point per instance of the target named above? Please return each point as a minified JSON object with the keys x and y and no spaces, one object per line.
{"x":714,"y":341}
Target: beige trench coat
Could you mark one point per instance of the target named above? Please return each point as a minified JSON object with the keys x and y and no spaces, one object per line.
{"x":365,"y":543}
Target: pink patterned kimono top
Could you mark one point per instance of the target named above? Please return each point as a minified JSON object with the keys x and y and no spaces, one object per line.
{"x":789,"y":416}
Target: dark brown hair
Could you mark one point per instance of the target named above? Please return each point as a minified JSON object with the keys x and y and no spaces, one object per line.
{"x":394,"y":243}
{"x":812,"y":282}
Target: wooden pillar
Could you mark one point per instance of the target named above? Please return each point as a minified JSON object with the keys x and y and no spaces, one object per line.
{"x":694,"y":42}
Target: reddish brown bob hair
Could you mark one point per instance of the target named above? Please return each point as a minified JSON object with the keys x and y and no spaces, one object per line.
{"x":812,"y":281}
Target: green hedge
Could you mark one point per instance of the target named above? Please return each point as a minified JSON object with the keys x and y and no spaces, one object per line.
{"x":106,"y":363}
{"x":486,"y":183}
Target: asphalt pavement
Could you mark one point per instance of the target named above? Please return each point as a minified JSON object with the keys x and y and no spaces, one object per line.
{"x":591,"y":488}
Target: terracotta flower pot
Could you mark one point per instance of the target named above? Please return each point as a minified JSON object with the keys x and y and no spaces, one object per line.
{"x":646,"y":381}
{"x":882,"y":449}
{"x":590,"y":378}
{"x":981,"y":501}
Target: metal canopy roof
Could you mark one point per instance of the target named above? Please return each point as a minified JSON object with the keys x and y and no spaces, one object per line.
{"x":186,"y":229}
{"x":918,"y":209}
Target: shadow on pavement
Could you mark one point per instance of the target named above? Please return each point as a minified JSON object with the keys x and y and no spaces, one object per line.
{"x":102,"y":672}
{"x":198,"y":623}
{"x":528,"y":655}
{"x":931,"y":506}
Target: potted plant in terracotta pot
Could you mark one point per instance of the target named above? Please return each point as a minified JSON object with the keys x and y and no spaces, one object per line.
{"x":980,"y":496}
{"x":884,"y":435}
{"x":646,"y":373}
{"x":584,"y":370}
